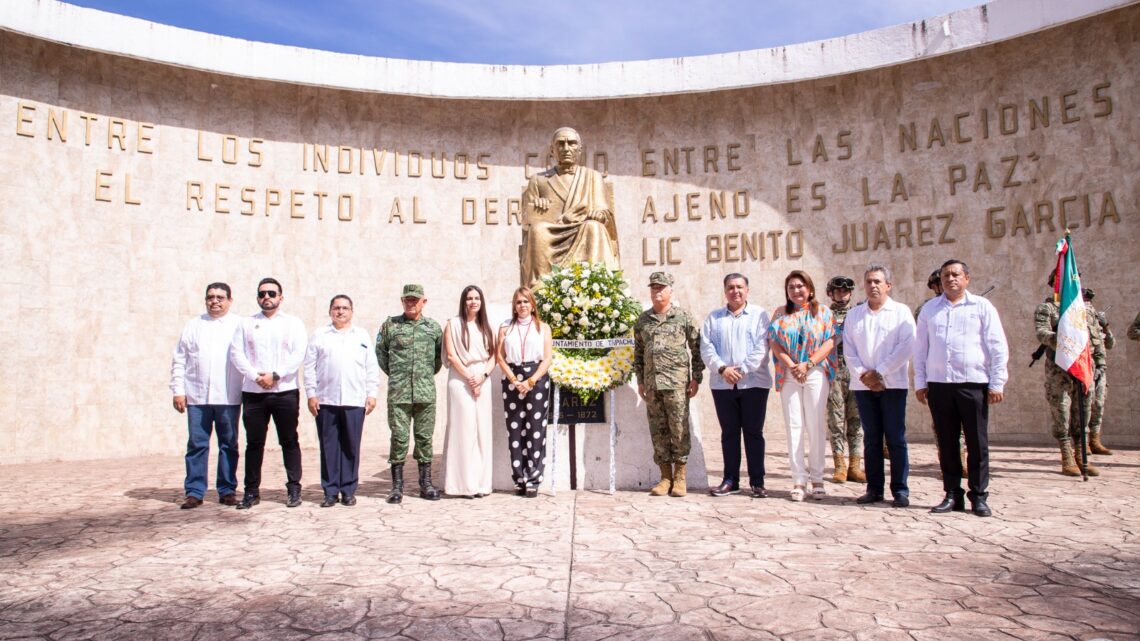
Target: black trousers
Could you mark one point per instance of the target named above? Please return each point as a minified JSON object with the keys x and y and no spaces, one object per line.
{"x":339,"y":428}
{"x":526,"y":418}
{"x":257,"y":409}
{"x":741,"y":412}
{"x":958,"y":408}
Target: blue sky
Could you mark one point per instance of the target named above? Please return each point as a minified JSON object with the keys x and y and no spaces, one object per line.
{"x":529,"y":32}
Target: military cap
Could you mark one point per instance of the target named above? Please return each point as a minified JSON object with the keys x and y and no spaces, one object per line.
{"x":413,"y":291}
{"x":661,"y":278}
{"x":1088,"y":294}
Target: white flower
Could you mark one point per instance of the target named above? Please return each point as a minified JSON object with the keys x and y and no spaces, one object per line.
{"x":622,"y":328}
{"x":584,"y":322}
{"x":546,"y":307}
{"x":566,"y":302}
{"x":557,"y":317}
{"x":596,"y":287}
{"x":564,"y":285}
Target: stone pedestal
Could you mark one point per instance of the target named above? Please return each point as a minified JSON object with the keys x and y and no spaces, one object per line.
{"x":634,"y":465}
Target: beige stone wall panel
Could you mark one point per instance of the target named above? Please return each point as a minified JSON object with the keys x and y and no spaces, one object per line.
{"x":99,"y":291}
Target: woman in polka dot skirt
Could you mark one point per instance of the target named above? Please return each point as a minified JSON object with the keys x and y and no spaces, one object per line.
{"x":524,"y":352}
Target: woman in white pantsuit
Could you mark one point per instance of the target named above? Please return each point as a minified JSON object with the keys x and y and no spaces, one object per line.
{"x":802,"y":335}
{"x":469,"y":344}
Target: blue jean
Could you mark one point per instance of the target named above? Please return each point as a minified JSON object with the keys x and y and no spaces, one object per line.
{"x":202,"y":420}
{"x":884,"y":414}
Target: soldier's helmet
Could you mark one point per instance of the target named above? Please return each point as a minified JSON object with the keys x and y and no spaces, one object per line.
{"x":934,"y":279}
{"x":840,"y":282}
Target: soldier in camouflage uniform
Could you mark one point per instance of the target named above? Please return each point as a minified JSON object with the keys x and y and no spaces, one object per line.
{"x":1061,"y":389}
{"x":409,"y":350}
{"x":1102,"y":340}
{"x":843,"y":426}
{"x":668,"y":366}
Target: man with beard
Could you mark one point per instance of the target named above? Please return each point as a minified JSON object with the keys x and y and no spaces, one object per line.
{"x":268,"y":349}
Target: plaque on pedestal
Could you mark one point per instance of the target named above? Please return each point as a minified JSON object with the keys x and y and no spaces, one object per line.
{"x":573,"y":410}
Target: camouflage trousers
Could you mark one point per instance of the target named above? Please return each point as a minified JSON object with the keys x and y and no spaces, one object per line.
{"x":417,"y":418}
{"x":668,"y":411}
{"x":843,"y":427}
{"x":1096,"y":406}
{"x":1061,"y":393}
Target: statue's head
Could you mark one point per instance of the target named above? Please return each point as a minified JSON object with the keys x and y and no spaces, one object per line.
{"x":565,"y":146}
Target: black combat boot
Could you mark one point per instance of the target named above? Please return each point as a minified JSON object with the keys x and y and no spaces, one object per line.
{"x":426,"y":490}
{"x":397,"y":493}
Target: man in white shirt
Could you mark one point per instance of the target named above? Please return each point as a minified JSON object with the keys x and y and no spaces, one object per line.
{"x":341,"y":377}
{"x":878,"y":339}
{"x":207,"y":388}
{"x":960,"y":359}
{"x":734,"y":346}
{"x":268,"y":349}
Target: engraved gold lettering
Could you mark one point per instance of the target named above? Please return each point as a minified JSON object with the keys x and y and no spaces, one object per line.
{"x":102,"y":186}
{"x":194,"y":194}
{"x":25,"y":115}
{"x":1067,"y":107}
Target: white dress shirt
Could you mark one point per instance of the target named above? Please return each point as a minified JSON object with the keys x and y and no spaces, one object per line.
{"x":881,"y":340}
{"x":960,"y":342}
{"x":341,"y":367}
{"x":740,"y":341}
{"x":201,"y":369}
{"x":263,"y":344}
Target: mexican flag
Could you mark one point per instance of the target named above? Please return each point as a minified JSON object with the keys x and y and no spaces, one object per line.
{"x":1073,"y":351}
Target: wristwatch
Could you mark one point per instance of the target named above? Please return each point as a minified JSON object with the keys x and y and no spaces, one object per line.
{"x":276,"y":377}
{"x":721,"y":369}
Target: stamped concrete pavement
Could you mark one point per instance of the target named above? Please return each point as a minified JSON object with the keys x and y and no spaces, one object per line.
{"x":99,"y":550}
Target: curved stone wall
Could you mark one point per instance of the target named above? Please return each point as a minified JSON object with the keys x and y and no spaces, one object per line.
{"x":130,"y":183}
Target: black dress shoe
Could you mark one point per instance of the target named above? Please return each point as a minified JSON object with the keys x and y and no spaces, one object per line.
{"x":248,"y":501}
{"x":869,"y":498}
{"x":979,"y":508}
{"x":724,"y":489}
{"x":348,"y":500}
{"x":901,"y":500}
{"x":520,"y":490}
{"x":531,"y":492}
{"x":294,"y":498}
{"x":758,"y":492}
{"x":329,"y":501}
{"x":191,"y":502}
{"x":951,"y":502}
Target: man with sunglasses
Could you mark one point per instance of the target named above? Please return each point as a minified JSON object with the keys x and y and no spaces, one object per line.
{"x":843,"y":426}
{"x":207,"y":388}
{"x":268,"y":349}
